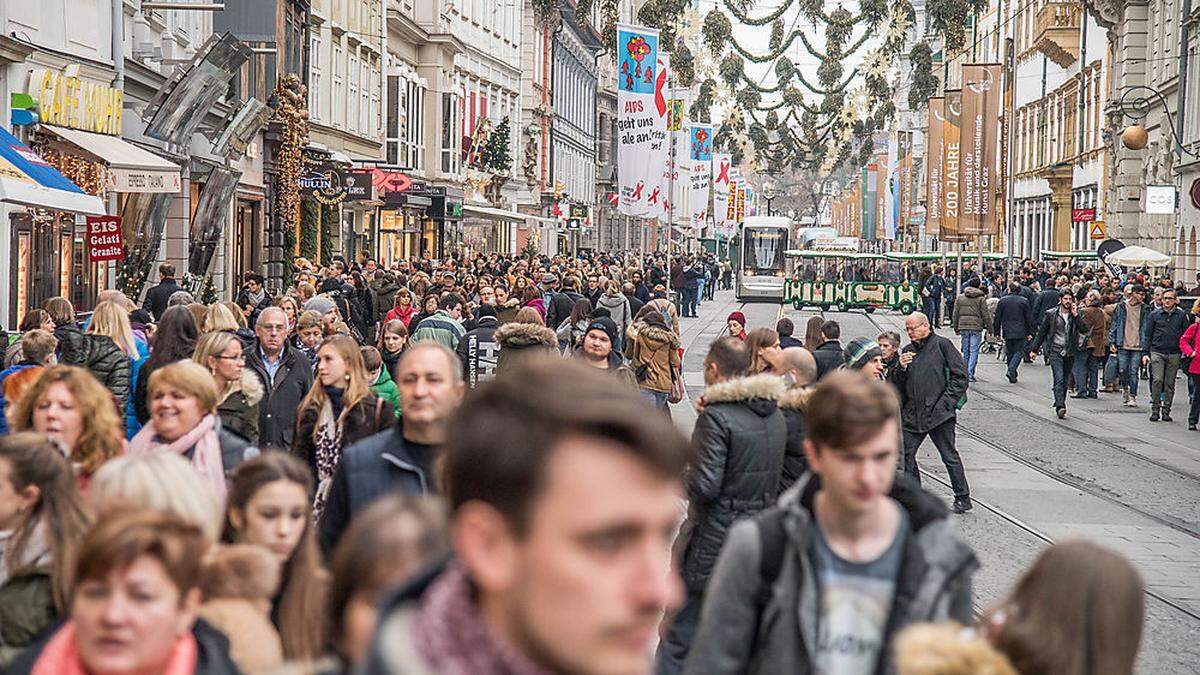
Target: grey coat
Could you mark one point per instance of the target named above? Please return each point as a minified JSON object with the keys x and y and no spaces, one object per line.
{"x":745,"y":629}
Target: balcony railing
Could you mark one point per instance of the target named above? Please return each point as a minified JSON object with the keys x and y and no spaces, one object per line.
{"x":1057,"y":30}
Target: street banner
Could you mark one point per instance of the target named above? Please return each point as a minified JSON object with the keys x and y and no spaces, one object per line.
{"x":948,"y":228}
{"x":658,"y":176}
{"x":641,"y":118}
{"x":721,"y":167}
{"x":740,"y":211}
{"x":904,"y":146}
{"x":867,"y":180}
{"x":979,"y":130}
{"x":700,"y":155}
{"x":751,"y":201}
{"x":891,"y":197}
{"x":933,"y":165}
{"x":678,"y":168}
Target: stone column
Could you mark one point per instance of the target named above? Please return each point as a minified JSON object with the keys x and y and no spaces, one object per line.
{"x":1060,"y":178}
{"x":1129,"y":69}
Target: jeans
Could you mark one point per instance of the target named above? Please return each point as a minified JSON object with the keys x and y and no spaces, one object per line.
{"x":700,"y":291}
{"x":1014,"y":351}
{"x":1060,"y":366}
{"x":971,"y":339}
{"x":673,"y":650}
{"x":1163,"y":369}
{"x":1128,"y":361}
{"x":943,"y":439}
{"x":689,"y":300}
{"x":1194,"y":411}
{"x":933,"y":307}
{"x":1087,"y":371}
{"x":657,"y":398}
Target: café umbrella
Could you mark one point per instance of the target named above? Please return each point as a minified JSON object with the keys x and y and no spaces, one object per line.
{"x":1138,"y":256}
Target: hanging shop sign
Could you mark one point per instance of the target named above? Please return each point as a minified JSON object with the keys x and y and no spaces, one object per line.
{"x":1160,"y":199}
{"x":358,"y":186}
{"x":325,"y":185}
{"x":1194,"y":193}
{"x":1083,"y":215}
{"x":104,"y":238}
{"x":76,"y":103}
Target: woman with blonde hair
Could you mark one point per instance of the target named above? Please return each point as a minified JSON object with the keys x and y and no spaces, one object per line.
{"x":67,"y":404}
{"x":218,"y":318}
{"x":338,"y":411}
{"x":290,"y":307}
{"x":161,"y":482}
{"x":183,"y":421}
{"x":305,"y":291}
{"x":111,"y":319}
{"x":239,"y":391}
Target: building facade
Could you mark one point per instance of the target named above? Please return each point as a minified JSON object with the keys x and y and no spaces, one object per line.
{"x":574,"y":48}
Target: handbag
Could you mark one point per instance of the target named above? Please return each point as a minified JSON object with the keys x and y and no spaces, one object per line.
{"x":677,"y":389}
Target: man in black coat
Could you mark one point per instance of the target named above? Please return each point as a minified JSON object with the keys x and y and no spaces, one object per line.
{"x":1014,"y":322}
{"x":286,"y":375}
{"x":478,"y":349}
{"x":740,"y":437}
{"x":1062,"y":331}
{"x":829,"y":354}
{"x":558,"y":305}
{"x":932,"y":379}
{"x":157,"y":297}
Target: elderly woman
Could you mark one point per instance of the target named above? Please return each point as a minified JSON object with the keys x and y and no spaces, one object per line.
{"x":183,"y":421}
{"x":152,"y":560}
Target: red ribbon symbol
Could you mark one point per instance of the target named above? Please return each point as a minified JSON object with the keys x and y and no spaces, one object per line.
{"x":653,"y":195}
{"x":659,"y":84}
{"x":724,"y":175}
{"x":637,"y":194}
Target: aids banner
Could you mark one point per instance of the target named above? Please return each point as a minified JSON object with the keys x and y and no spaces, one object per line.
{"x":661,"y":168}
{"x":721,"y":165}
{"x":641,"y":119}
{"x":700,"y":155}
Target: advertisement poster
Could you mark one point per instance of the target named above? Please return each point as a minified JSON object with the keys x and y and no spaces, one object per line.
{"x":979,"y":129}
{"x":104,"y":238}
{"x":700,"y":156}
{"x":641,"y":121}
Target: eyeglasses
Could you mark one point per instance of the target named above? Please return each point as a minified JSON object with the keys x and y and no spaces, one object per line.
{"x":239,"y":357}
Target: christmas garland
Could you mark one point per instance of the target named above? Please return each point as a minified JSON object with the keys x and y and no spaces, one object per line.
{"x":292,"y":112}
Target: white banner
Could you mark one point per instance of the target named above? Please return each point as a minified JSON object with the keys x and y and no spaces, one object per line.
{"x":658,"y":197}
{"x":721,"y":167}
{"x":641,"y":120}
{"x":700,"y":156}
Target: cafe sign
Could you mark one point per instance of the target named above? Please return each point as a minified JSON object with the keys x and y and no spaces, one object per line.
{"x":76,"y":103}
{"x":325,"y":186}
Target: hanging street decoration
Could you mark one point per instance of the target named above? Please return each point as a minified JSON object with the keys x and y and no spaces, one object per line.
{"x":700,"y":156}
{"x":640,"y":124}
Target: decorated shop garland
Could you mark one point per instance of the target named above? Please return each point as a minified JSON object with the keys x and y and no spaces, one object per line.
{"x":292,"y":113}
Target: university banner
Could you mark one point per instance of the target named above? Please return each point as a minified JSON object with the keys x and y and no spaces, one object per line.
{"x":721,"y":168}
{"x":700,"y":156}
{"x":948,"y":226}
{"x":891,"y":195}
{"x":979,"y":129}
{"x":933,"y":165}
{"x":868,"y":182}
{"x":641,"y":119}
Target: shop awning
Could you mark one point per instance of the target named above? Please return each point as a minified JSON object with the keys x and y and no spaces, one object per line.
{"x":130,"y":168}
{"x":489,"y":213}
{"x":26,"y":178}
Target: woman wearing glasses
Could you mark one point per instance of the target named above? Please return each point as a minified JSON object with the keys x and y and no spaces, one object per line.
{"x":239,"y":391}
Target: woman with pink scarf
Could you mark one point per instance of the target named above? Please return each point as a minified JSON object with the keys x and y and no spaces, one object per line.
{"x":183,"y":421}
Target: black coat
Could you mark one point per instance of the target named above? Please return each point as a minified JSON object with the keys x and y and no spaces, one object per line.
{"x":479,"y":352}
{"x":364,"y":419}
{"x":281,"y":398}
{"x":157,"y":297}
{"x":932,"y":384}
{"x":1047,"y":299}
{"x":829,"y":357}
{"x":101,"y":356}
{"x":1077,"y":332}
{"x":739,"y":440}
{"x":243,"y":301}
{"x":558,"y":309}
{"x":1014,"y":317}
{"x":792,"y":404}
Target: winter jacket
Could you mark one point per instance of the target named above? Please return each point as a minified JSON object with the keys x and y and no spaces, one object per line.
{"x":441,"y":328}
{"x":570,"y":335}
{"x":26,"y":609}
{"x":971,"y":311}
{"x":1116,"y":330}
{"x":243,"y":301}
{"x":931,"y":385}
{"x":657,"y":349}
{"x":1014,"y":317}
{"x":479,"y":352}
{"x":386,"y":389}
{"x":100,"y":355}
{"x":507,"y":312}
{"x":403,"y":314}
{"x":158,"y":296}
{"x":829,"y":356}
{"x":1047,"y":299}
{"x":281,"y":396}
{"x":792,"y":404}
{"x":557,"y":308}
{"x":240,"y":411}
{"x":748,"y":629}
{"x":14,"y":381}
{"x":618,"y":310}
{"x":520,"y":340}
{"x":1189,"y":344}
{"x":212,"y":652}
{"x":617,"y":366}
{"x":371,"y":468}
{"x":1076,"y":332}
{"x":1161,"y":334}
{"x":1097,"y":321}
{"x":383,"y":299}
{"x":739,"y":440}
{"x":364,"y":419}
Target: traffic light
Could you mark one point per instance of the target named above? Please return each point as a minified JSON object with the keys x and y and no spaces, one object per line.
{"x":24,"y":110}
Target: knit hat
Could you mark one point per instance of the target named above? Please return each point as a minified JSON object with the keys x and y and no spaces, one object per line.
{"x":485,"y":310}
{"x":320,"y":304}
{"x":859,"y":351}
{"x":605,"y":324}
{"x":736,"y":316}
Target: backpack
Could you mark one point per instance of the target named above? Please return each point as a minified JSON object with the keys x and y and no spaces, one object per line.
{"x":772,"y":543}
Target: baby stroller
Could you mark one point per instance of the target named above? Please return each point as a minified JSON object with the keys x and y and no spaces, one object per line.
{"x":992,"y":343}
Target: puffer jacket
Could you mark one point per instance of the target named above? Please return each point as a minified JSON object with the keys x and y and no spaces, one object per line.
{"x":792,"y":405}
{"x":239,"y":412}
{"x":522,"y":340}
{"x":26,"y":609}
{"x":971,"y":311}
{"x":739,"y":439}
{"x":618,"y":310}
{"x":931,"y":385}
{"x":658,"y":349}
{"x":100,"y":355}
{"x":747,"y":629}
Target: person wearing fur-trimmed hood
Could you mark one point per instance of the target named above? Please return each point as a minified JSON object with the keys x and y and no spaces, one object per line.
{"x":519,"y":340}
{"x":739,"y":441}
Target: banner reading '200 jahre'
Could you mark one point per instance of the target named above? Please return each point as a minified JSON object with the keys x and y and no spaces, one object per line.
{"x":641,"y":119}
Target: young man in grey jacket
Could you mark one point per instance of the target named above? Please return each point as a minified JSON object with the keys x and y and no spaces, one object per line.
{"x":851,"y":554}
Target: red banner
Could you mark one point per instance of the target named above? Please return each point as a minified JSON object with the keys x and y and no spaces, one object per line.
{"x":104,"y":238}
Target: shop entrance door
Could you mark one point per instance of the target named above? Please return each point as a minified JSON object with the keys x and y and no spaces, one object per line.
{"x":247,"y":238}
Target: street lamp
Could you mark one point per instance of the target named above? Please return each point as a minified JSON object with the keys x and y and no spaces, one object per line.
{"x":1135,"y":103}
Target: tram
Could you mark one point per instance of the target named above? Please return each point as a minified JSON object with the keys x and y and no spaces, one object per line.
{"x":763,"y":269}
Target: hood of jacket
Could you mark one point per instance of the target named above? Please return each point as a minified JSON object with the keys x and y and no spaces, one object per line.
{"x":251,"y":387}
{"x":521,"y":335}
{"x":760,"y":393}
{"x":795,"y":399}
{"x":657,"y":335}
{"x":611,"y":301}
{"x":973,"y":292}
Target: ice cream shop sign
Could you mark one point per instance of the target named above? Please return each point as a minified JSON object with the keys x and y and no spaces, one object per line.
{"x":104,"y":238}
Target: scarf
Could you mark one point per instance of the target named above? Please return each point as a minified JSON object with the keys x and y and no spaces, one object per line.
{"x":256,"y":298}
{"x":451,"y":637}
{"x":206,"y":459}
{"x":327,"y":438}
{"x":61,"y":655}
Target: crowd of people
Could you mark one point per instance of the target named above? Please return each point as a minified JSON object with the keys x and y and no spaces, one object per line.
{"x":469,"y":467}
